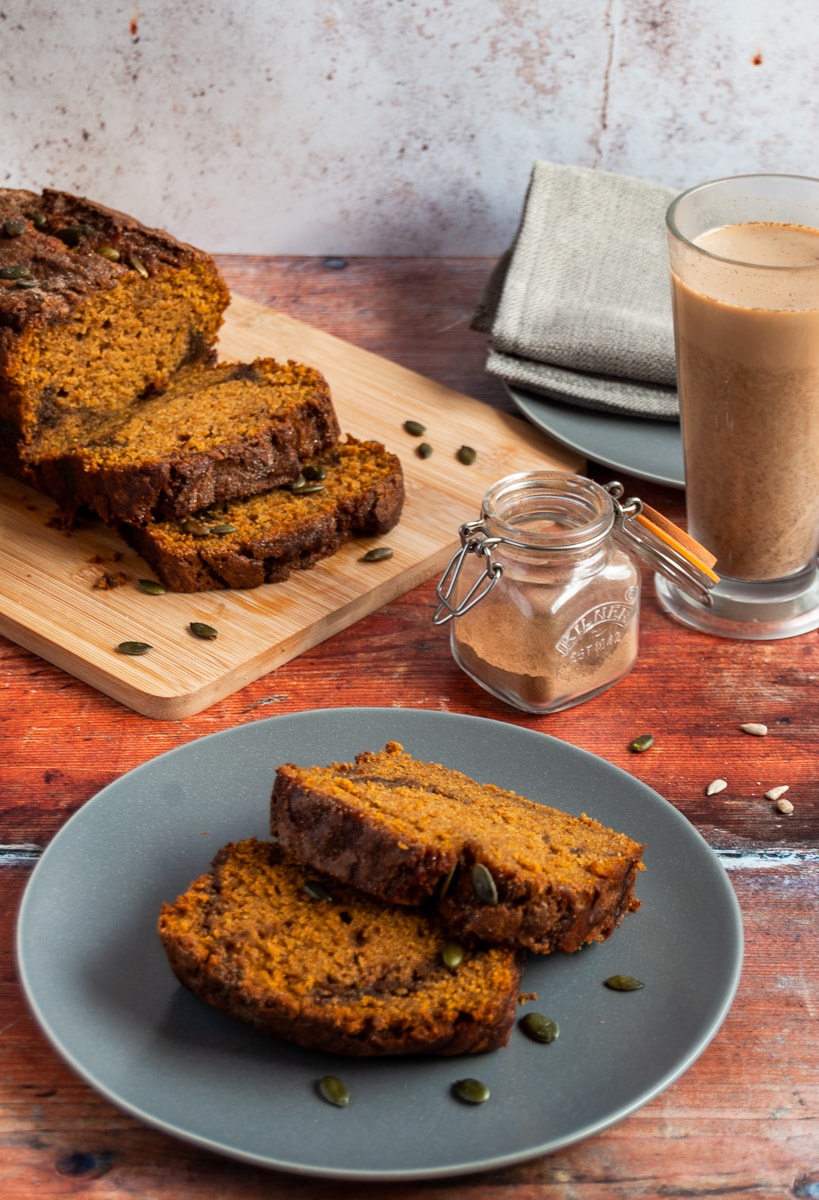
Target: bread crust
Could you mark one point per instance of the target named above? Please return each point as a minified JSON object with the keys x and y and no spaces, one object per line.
{"x":412,"y":832}
{"x":215,"y":433}
{"x":63,"y":260}
{"x":345,"y":975}
{"x":276,"y":532}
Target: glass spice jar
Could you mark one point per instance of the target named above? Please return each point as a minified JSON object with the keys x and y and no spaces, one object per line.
{"x":545,"y":589}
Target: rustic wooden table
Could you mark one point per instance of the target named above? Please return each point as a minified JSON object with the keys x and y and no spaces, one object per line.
{"x":744,"y":1119}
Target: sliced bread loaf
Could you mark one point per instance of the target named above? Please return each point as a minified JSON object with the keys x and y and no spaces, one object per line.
{"x":355,"y":488}
{"x":214,"y":433}
{"x":495,"y":865}
{"x":264,"y":940}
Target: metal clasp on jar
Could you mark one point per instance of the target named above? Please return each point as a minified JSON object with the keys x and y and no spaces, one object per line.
{"x":473,"y":541}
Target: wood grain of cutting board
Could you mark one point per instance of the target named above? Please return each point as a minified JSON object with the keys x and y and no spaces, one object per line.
{"x":50,"y":601}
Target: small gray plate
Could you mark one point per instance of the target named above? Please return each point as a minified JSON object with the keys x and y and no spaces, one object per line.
{"x":95,"y":975}
{"x":640,"y":447}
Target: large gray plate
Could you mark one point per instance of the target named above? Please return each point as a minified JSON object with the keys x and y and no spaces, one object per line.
{"x":641,"y":447}
{"x":96,"y":978}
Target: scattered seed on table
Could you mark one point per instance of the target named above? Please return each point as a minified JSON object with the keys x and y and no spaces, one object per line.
{"x":466,"y":455}
{"x":539,"y":1027}
{"x":775,"y":792}
{"x":134,"y":648}
{"x":424,"y":450}
{"x":754,"y":728}
{"x":151,"y":587}
{"x":415,"y":428}
{"x":201,"y":630}
{"x":644,"y":742}
{"x":623,"y":983}
{"x":784,"y":805}
{"x":377,"y":554}
{"x":333,"y":1091}
{"x":716,"y":785}
{"x":471,"y":1091}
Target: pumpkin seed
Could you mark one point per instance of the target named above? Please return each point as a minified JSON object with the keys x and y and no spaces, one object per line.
{"x":27,"y":283}
{"x":138,"y":266}
{"x":644,"y":742}
{"x":222,"y":529}
{"x":471,"y":1091}
{"x":333,"y":1091}
{"x":415,"y":428}
{"x":424,"y":450}
{"x":315,"y":471}
{"x":18,"y":271}
{"x":466,"y":455}
{"x":72,"y":234}
{"x":134,"y":648}
{"x":15,"y":227}
{"x":195,"y":528}
{"x":377,"y":554}
{"x":452,"y":954}
{"x":539,"y":1028}
{"x":201,"y":630}
{"x":38,"y":220}
{"x":445,"y":882}
{"x":109,"y":252}
{"x":306,"y":487}
{"x":316,"y":890}
{"x":623,"y":983}
{"x":484,"y":884}
{"x":151,"y":587}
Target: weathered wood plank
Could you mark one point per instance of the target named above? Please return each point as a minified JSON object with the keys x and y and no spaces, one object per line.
{"x":743,"y":1120}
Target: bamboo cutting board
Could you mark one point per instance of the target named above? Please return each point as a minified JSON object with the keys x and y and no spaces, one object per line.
{"x":51,"y":601}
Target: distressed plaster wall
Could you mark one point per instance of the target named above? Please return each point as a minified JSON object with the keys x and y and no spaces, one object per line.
{"x":391,"y":126}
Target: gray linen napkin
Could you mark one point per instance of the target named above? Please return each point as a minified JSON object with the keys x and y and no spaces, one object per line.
{"x":579,"y":306}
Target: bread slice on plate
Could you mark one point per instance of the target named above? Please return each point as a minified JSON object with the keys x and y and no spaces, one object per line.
{"x":495,"y":865}
{"x":266,"y":940}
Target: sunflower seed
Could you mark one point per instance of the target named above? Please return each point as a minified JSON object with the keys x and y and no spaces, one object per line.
{"x":716,"y":785}
{"x":775,"y":792}
{"x":784,"y":805}
{"x":754,"y":728}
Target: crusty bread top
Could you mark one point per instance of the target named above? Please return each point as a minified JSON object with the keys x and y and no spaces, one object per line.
{"x":65,"y":250}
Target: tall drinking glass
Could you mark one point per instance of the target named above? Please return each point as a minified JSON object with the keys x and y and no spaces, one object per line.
{"x":744,"y":258}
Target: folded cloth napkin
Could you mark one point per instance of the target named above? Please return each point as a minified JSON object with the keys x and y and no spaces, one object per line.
{"x":579,"y":306}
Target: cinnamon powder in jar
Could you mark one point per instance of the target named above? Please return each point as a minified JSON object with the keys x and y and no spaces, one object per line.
{"x":558,"y":619}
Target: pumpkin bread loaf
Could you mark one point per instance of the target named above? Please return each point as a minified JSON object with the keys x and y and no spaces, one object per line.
{"x":355,"y":488}
{"x":214,"y":433}
{"x":495,"y":865}
{"x":96,"y":310}
{"x":263,"y":939}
